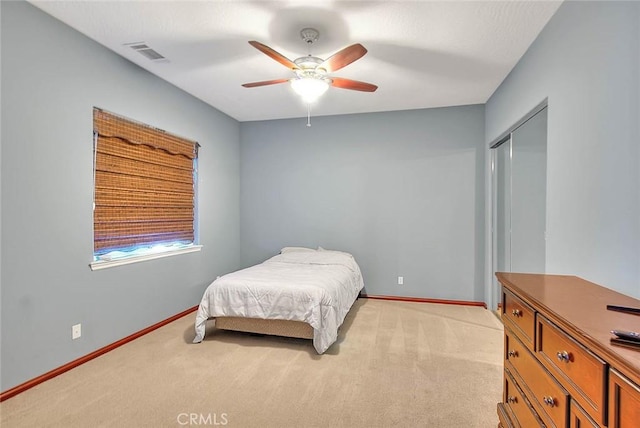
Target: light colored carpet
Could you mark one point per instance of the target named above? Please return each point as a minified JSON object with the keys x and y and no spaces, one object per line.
{"x":395,"y":364}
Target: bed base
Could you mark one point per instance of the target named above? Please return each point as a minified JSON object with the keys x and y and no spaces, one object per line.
{"x":285,"y":328}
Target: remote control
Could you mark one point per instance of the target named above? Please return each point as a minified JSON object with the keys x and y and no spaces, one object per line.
{"x":625,"y":309}
{"x":627,"y":335}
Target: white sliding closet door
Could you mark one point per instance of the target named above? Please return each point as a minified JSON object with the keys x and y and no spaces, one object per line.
{"x":529,"y":195}
{"x":519,"y":165}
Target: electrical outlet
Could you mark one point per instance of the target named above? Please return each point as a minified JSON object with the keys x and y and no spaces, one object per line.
{"x":400,"y":280}
{"x":76,"y":331}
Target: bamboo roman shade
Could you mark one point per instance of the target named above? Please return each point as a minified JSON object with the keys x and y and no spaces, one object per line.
{"x":144,"y":185}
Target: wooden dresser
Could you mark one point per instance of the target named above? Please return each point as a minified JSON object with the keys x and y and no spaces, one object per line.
{"x":560,"y":368}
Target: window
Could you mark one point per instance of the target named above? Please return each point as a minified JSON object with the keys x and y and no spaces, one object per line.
{"x":144,"y":191}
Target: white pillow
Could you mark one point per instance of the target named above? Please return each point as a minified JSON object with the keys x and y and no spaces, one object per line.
{"x":335,"y":251}
{"x":290,"y":249}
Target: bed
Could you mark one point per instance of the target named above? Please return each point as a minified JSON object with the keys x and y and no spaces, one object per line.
{"x":301,"y":292}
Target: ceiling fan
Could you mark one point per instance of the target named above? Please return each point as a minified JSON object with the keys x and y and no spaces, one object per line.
{"x":311,"y":73}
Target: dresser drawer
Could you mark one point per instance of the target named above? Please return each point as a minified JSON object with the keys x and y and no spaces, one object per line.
{"x":548,"y":397}
{"x":519,"y":316}
{"x":579,"y":370}
{"x":518,"y":409}
{"x":624,"y":402}
{"x":503,"y":418}
{"x":578,"y":418}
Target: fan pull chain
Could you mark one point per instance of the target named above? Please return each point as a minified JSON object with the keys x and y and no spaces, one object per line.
{"x":308,"y":114}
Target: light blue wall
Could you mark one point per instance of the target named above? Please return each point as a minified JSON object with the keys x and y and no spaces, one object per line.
{"x":587,"y":63}
{"x":402,"y":191}
{"x":52,"y":76}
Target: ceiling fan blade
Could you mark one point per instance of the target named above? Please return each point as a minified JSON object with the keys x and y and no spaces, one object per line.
{"x":343,"y":58}
{"x":264,"y":83}
{"x":354,"y":85}
{"x":273,"y":54}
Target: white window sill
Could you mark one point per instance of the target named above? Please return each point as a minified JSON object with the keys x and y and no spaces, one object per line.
{"x":103,"y":264}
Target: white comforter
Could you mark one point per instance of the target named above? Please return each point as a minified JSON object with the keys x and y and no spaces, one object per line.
{"x":316,"y":287}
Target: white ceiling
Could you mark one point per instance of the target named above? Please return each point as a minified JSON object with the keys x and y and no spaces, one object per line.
{"x":422,"y":54}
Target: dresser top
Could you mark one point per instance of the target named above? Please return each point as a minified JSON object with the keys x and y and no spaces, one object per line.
{"x":580,"y":307}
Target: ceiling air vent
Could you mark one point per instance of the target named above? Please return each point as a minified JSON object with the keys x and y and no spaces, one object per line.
{"x":144,"y":50}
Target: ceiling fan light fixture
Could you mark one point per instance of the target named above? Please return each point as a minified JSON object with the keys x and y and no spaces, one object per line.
{"x":311,"y":79}
{"x":310,"y":88}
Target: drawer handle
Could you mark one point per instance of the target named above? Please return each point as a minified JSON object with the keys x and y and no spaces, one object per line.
{"x":516,"y":312}
{"x":513,"y":353}
{"x":511,"y":399}
{"x":549,"y":401}
{"x":564,"y":356}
